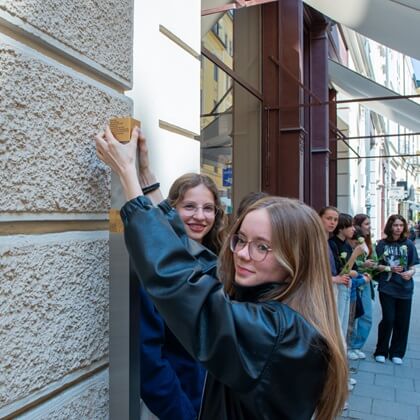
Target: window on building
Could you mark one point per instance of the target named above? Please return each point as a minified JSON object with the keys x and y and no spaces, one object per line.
{"x":231,"y":112}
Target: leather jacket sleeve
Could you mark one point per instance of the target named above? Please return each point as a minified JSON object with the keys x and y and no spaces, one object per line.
{"x":233,"y":340}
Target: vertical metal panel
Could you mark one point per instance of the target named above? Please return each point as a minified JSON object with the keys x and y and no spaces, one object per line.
{"x":333,"y":148}
{"x":124,"y":355}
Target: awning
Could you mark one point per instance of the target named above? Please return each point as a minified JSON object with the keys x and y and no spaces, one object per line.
{"x":394,"y":23}
{"x":403,"y":111}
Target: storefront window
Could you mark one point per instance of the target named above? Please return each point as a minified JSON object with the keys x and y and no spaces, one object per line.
{"x":231,"y":104}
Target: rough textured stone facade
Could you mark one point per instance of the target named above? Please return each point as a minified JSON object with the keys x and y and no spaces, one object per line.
{"x":54,"y":308}
{"x":99,"y":30}
{"x":48,"y":119}
{"x":89,"y":401}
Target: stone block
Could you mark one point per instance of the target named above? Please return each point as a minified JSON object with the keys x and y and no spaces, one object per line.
{"x":100,"y":31}
{"x":396,"y":410}
{"x":408,"y":397}
{"x":364,"y":377}
{"x":49,"y":115}
{"x":406,"y":384}
{"x":359,"y":403}
{"x":53,"y":308}
{"x":87,"y":400}
{"x":375,"y":391}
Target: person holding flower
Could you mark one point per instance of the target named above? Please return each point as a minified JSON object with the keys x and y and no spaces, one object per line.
{"x":360,"y":280}
{"x":329,"y":218}
{"x":344,"y":258}
{"x":367,"y":264}
{"x":397,"y":258}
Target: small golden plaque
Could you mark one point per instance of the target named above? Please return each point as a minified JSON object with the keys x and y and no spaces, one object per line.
{"x":115,"y":223}
{"x":121,"y":127}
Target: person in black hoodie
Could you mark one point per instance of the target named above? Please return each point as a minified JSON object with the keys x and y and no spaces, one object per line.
{"x":397,"y":258}
{"x":262,"y":324}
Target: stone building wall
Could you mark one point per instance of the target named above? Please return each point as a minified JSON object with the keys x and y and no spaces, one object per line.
{"x":64,"y":67}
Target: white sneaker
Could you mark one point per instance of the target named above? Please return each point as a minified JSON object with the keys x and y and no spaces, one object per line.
{"x":352,"y":355}
{"x":346,"y":406}
{"x":350,"y":387}
{"x":360,"y":354}
{"x":352,"y":381}
{"x":397,"y":361}
{"x":380,"y":359}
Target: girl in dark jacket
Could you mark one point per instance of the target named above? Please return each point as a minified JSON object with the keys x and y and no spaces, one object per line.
{"x":398,"y":256}
{"x":263,"y":327}
{"x":171,"y":380}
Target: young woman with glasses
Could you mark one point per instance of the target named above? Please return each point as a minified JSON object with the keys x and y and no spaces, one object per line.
{"x":171,"y":380}
{"x":262,"y":325}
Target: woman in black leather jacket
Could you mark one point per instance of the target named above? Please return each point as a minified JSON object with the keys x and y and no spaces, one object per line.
{"x":268,"y":335}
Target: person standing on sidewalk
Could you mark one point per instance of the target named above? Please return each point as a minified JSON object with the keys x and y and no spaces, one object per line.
{"x":395,"y":289}
{"x":363,"y":324}
{"x":343,"y":252}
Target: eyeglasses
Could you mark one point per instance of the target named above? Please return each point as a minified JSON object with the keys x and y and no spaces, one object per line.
{"x":208,"y":209}
{"x":258,"y":250}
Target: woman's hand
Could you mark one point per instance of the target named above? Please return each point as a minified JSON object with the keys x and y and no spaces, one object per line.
{"x":407,"y":275}
{"x":367,"y":277}
{"x":369,"y":264}
{"x":343,"y":279}
{"x":121,"y":158}
{"x":397,"y":269}
{"x":358,"y":251}
{"x":147,"y":177}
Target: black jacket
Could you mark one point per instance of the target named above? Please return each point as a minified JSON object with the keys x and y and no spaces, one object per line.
{"x":264,"y":360}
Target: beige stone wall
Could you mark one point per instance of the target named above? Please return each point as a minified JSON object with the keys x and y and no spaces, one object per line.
{"x":63,"y":68}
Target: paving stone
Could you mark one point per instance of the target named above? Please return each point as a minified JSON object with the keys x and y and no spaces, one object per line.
{"x":407,"y":372}
{"x":375,"y":391}
{"x":363,"y":404}
{"x":385,"y":369}
{"x":406,"y":384}
{"x":414,"y":346}
{"x":365,"y":377}
{"x":364,"y":416}
{"x":415,"y":364}
{"x":397,"y":410}
{"x":417,"y":385}
{"x":408,"y":397}
{"x":413,"y":354}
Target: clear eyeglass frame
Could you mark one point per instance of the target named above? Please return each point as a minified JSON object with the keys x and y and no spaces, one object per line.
{"x":256,"y":253}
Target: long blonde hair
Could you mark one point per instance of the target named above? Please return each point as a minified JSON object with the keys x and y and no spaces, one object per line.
{"x":298,"y":243}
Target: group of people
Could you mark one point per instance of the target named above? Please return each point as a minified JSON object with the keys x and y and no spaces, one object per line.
{"x":238,"y":322}
{"x":356,"y":262}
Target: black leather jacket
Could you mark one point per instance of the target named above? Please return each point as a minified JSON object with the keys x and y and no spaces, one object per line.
{"x":264,"y":361}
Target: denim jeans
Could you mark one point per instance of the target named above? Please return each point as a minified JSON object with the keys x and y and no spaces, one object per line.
{"x":343,"y":307}
{"x":363,"y":324}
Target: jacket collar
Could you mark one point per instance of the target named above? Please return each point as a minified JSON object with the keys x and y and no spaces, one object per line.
{"x":253,"y":293}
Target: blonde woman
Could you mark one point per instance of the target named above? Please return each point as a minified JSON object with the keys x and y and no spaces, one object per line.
{"x":263,"y":327}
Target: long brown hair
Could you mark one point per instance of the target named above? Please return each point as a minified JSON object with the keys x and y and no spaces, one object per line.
{"x":388,"y":227}
{"x":298,"y":244}
{"x":357,"y":221}
{"x":214,"y":239}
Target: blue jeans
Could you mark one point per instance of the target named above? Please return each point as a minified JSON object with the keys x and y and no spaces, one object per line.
{"x":343,"y":307}
{"x":363,"y":324}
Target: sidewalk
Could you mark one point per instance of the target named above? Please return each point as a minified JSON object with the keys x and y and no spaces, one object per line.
{"x":386,"y":391}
